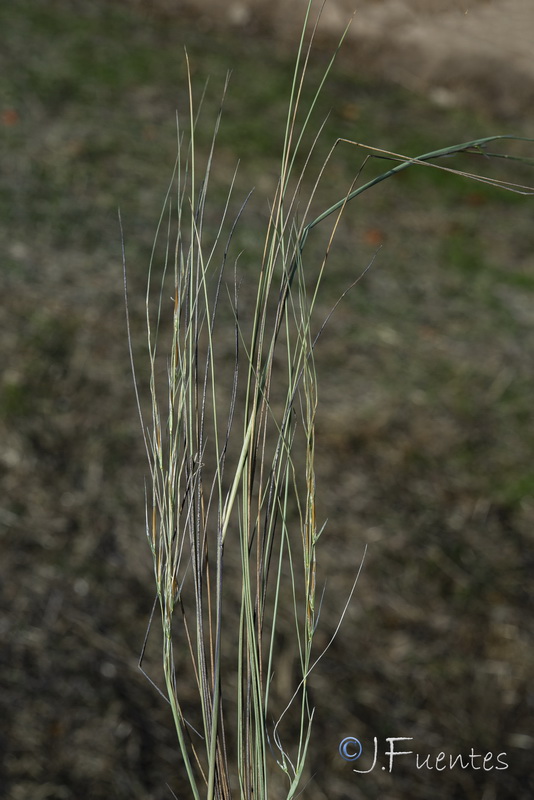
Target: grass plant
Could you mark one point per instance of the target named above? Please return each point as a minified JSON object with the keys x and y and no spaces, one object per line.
{"x":231,"y":447}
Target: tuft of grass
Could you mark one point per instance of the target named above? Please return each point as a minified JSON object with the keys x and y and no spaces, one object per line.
{"x":231,"y":448}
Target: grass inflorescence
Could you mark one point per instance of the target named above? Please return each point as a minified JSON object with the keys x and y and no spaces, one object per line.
{"x":231,"y":447}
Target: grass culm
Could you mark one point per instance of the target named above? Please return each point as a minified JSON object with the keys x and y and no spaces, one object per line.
{"x":231,"y":502}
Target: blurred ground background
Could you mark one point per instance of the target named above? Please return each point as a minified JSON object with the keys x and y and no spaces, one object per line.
{"x":455,"y":50}
{"x":426,"y":370}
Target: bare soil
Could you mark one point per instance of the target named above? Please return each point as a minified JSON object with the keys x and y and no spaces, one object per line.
{"x":459,"y":52}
